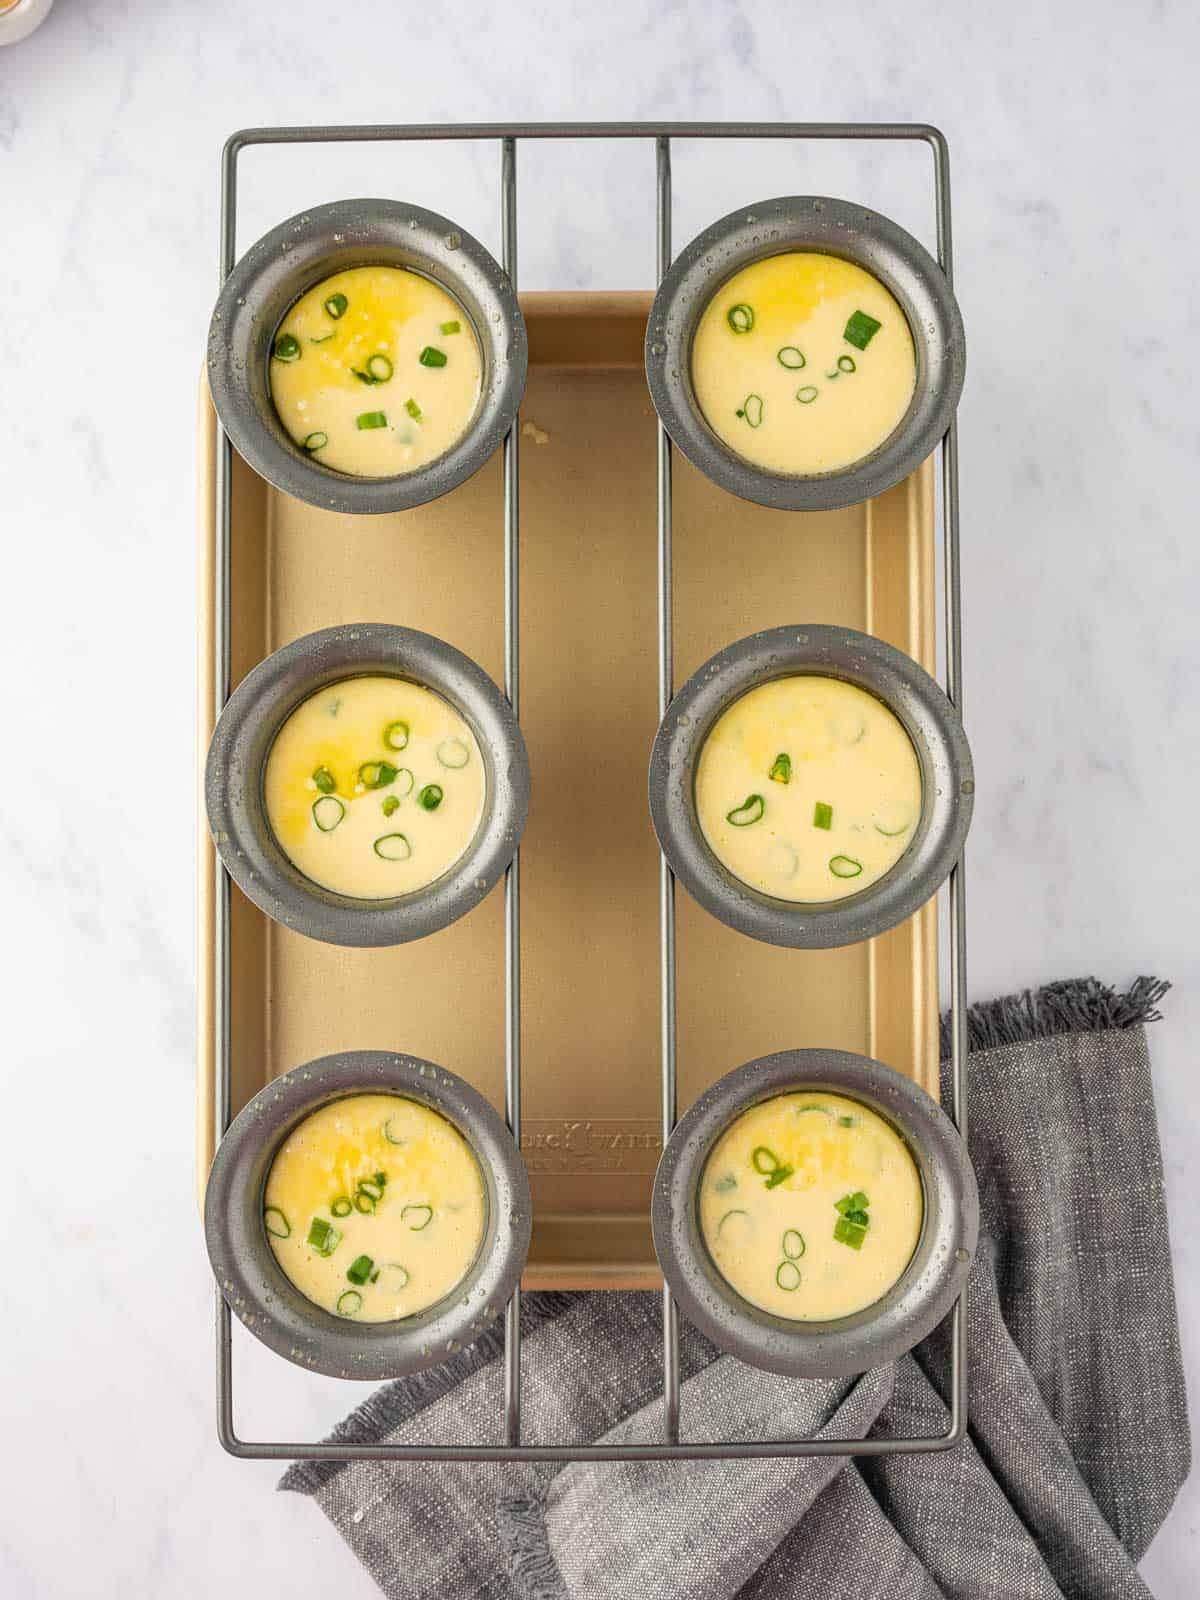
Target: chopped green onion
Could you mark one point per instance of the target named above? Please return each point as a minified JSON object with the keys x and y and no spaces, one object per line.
{"x":807,"y":395}
{"x":359,"y":1269}
{"x":752,"y":410}
{"x":892,"y":833}
{"x":341,"y":1207}
{"x":413,"y":410}
{"x":787,"y":1275}
{"x":750,"y":810}
{"x":449,"y":327}
{"x":287,"y":347}
{"x":381,"y":1180}
{"x":315,"y":441}
{"x":736,"y":1212}
{"x":276,"y":1224}
{"x":780,"y":1175}
{"x":364,"y":376}
{"x":324,"y":780}
{"x":364,"y":1203}
{"x":391,"y":803}
{"x":391,"y":1133}
{"x":781,"y":768}
{"x":740,"y":318}
{"x":845,"y":867}
{"x":392,"y":847}
{"x":431,"y":356}
{"x":417,"y":1217}
{"x":821,"y":1111}
{"x":857,"y":1201}
{"x":860,"y":330}
{"x":376,"y":774}
{"x":430,"y":797}
{"x":336,"y":306}
{"x":861,"y":1217}
{"x":371,"y":419}
{"x":395,"y":735}
{"x":822,"y":815}
{"x":324,"y":339}
{"x":379,"y":368}
{"x":763,"y":1160}
{"x":324,"y":1237}
{"x":725,"y":1182}
{"x":349,"y":1303}
{"x":372,"y":1187}
{"x":845,"y":1122}
{"x":847,"y":364}
{"x":403,"y":782}
{"x":793,"y":1244}
{"x":453,"y":753}
{"x":851,"y":1233}
{"x":392,"y":1276}
{"x":791,"y":358}
{"x":327,"y":812}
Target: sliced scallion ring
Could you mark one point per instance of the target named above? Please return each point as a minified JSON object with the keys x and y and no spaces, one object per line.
{"x":341,"y":1207}
{"x":327,"y":812}
{"x":379,"y":367}
{"x":323,"y":1236}
{"x":336,"y":306}
{"x":392,"y":847}
{"x":740,"y":318}
{"x":391,"y":1132}
{"x":315,"y":441}
{"x":845,"y":867}
{"x":349,"y":1303}
{"x":276,"y":1224}
{"x":781,"y":768}
{"x":376,"y":774}
{"x":403,"y":781}
{"x":392,"y":1276}
{"x":324,"y":780}
{"x":763,"y":1160}
{"x":417,"y":1217}
{"x":371,"y":419}
{"x":787,"y":1276}
{"x":391,"y":804}
{"x":847,"y":364}
{"x":324,"y":339}
{"x":287,"y":347}
{"x":736,"y":1212}
{"x":752,"y":410}
{"x":395,"y":735}
{"x":364,"y":1203}
{"x":431,"y":356}
{"x":807,"y":395}
{"x":431,"y":796}
{"x":892,"y":833}
{"x":791,"y":358}
{"x":751,"y":810}
{"x":453,"y":753}
{"x":369,"y":1186}
{"x":793,"y":1244}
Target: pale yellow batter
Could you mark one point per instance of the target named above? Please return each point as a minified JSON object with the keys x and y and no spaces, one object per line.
{"x":811,"y":1206}
{"x":808,"y":789}
{"x":803,"y":363}
{"x":375,"y":371}
{"x":374,"y":787}
{"x":375,"y":1207}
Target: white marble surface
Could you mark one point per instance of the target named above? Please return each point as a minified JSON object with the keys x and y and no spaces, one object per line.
{"x":1073,"y":134}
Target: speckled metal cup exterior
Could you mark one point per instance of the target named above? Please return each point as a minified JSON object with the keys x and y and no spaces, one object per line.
{"x":909,"y":1310}
{"x":832,"y":227}
{"x":303,"y":251}
{"x":237,"y":758}
{"x":931,"y":722}
{"x":265,"y":1299}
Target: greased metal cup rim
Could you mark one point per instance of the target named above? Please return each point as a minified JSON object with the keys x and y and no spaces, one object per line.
{"x":927,"y":716}
{"x":832,"y":227}
{"x":288,"y":261}
{"x":257,"y":1289}
{"x":241,"y":744}
{"x":924,"y":1292}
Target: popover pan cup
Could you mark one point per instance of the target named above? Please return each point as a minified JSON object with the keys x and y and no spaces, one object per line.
{"x":829,"y":227}
{"x":237,"y":757}
{"x":924,"y":1292}
{"x":301,"y":252}
{"x":261,"y":1295}
{"x":932,"y":724}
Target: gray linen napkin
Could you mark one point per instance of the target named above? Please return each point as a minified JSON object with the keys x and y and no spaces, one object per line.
{"x":1079,"y":1435}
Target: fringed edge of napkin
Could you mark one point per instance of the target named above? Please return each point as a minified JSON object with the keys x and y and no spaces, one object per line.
{"x":1076,"y":1005}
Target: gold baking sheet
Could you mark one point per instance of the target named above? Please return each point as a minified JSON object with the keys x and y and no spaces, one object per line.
{"x":589,"y":939}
